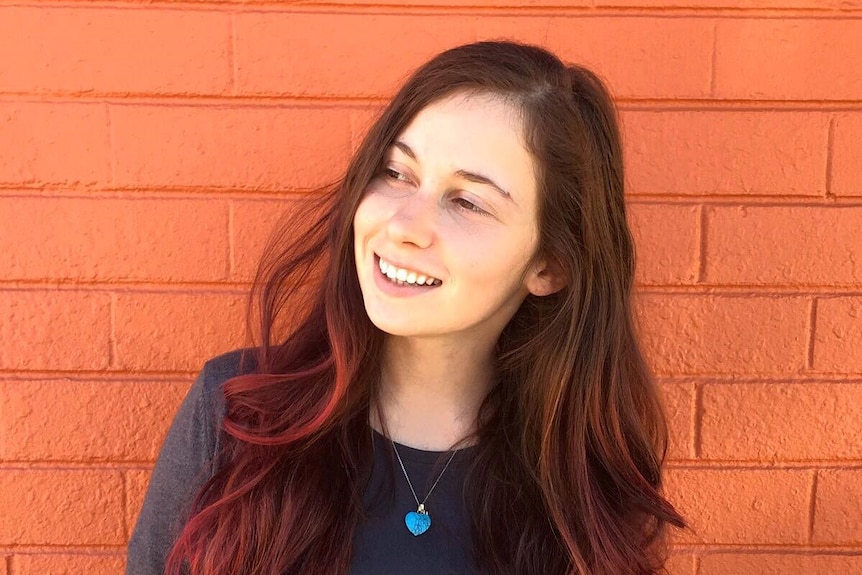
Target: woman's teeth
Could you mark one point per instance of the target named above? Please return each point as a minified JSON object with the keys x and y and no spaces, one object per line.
{"x":401,"y":276}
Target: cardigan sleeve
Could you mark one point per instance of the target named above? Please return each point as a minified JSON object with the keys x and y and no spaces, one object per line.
{"x":184,"y":464}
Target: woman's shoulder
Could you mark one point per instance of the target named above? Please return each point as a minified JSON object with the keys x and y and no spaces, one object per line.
{"x":221,"y":368}
{"x":207,"y":390}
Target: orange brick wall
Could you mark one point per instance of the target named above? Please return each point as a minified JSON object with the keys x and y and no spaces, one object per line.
{"x":146,"y":148}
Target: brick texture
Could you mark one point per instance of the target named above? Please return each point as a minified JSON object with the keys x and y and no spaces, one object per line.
{"x":838,"y":510}
{"x":68,"y":564}
{"x":680,"y":564}
{"x":64,"y":507}
{"x":742,"y":507}
{"x":778,"y":564}
{"x":838,"y":335}
{"x":259,"y":147}
{"x":103,"y":240}
{"x":666,"y":243}
{"x":678,"y":402}
{"x":772,"y":245}
{"x":54,"y":143}
{"x":688,"y":334}
{"x":177,"y":332}
{"x":766,"y":422}
{"x":158,"y":51}
{"x":63,"y":330}
{"x":253,"y":224}
{"x":846,"y":151}
{"x":750,"y":4}
{"x":103,"y":421}
{"x":782,"y":153}
{"x":788,"y":59}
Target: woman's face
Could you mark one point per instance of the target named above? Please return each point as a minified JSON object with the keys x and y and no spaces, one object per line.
{"x":455,"y":206}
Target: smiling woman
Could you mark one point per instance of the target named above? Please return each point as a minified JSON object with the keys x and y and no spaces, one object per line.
{"x":463,"y":391}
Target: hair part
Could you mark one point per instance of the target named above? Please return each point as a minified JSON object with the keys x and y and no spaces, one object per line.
{"x":572,"y":437}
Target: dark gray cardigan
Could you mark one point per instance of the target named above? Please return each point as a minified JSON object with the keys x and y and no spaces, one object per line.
{"x":382,"y":544}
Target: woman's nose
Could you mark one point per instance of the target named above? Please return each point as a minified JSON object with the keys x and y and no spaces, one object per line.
{"x":413,"y":221}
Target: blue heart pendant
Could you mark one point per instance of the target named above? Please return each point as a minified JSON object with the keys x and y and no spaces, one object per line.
{"x":418,"y":522}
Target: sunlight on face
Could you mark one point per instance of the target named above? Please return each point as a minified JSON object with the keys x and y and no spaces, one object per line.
{"x":456,"y":201}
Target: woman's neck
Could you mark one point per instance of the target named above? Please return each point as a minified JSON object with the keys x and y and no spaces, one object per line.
{"x":430,"y":391}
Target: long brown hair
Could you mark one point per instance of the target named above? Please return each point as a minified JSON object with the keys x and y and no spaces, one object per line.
{"x":571,"y":439}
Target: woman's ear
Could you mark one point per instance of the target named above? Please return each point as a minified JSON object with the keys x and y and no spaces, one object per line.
{"x":545,"y":278}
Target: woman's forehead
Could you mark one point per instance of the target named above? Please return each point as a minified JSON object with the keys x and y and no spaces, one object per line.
{"x":478,"y":133}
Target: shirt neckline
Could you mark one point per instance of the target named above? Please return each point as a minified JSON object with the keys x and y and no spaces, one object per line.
{"x":415,"y":455}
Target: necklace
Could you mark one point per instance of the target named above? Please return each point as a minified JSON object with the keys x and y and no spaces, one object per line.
{"x":419,"y":521}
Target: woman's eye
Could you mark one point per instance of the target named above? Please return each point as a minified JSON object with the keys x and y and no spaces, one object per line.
{"x":469,"y":206}
{"x":395,"y":175}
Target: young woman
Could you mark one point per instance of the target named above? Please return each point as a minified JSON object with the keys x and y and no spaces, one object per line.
{"x":457,"y":385}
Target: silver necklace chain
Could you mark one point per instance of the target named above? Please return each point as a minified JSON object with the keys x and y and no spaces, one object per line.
{"x":421,"y":504}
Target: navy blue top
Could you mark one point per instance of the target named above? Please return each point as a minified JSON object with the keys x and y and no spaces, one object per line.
{"x":382,"y":543}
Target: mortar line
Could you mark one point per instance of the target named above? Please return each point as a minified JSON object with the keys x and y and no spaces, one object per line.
{"x":714,"y":59}
{"x":127,"y":529}
{"x":232,"y":59}
{"x":231,"y":253}
{"x":697,"y":421}
{"x":830,"y":143}
{"x":701,"y":245}
{"x":112,"y":144}
{"x":812,"y":505}
{"x":112,"y":334}
{"x":812,"y":329}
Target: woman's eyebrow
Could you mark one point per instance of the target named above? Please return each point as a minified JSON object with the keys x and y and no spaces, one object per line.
{"x":463,"y":174}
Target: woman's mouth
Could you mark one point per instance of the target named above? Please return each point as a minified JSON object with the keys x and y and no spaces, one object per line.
{"x":399,"y":281}
{"x":404,"y":276}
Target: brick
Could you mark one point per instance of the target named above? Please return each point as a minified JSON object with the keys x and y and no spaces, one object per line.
{"x":770,"y":245}
{"x":106,"y":239}
{"x":114,"y":51}
{"x":846,"y":151}
{"x":678,"y":400}
{"x":838,"y":509}
{"x":263,"y":147}
{"x":666,"y":243}
{"x":97,"y":563}
{"x":253,"y":224}
{"x":48,"y":330}
{"x":272,"y":50}
{"x":788,"y":563}
{"x":790,"y":59}
{"x":137,"y":481}
{"x":645,"y":62}
{"x":680,"y":564}
{"x":692,"y":334}
{"x":726,"y":152}
{"x":795,"y":421}
{"x":85,"y":421}
{"x":470,"y":3}
{"x":838,"y":335}
{"x":177,"y":332}
{"x":54,"y":143}
{"x":817,"y":4}
{"x":61,"y":507}
{"x":741,"y":506}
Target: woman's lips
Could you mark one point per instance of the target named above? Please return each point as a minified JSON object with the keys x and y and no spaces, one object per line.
{"x":392,"y":288}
